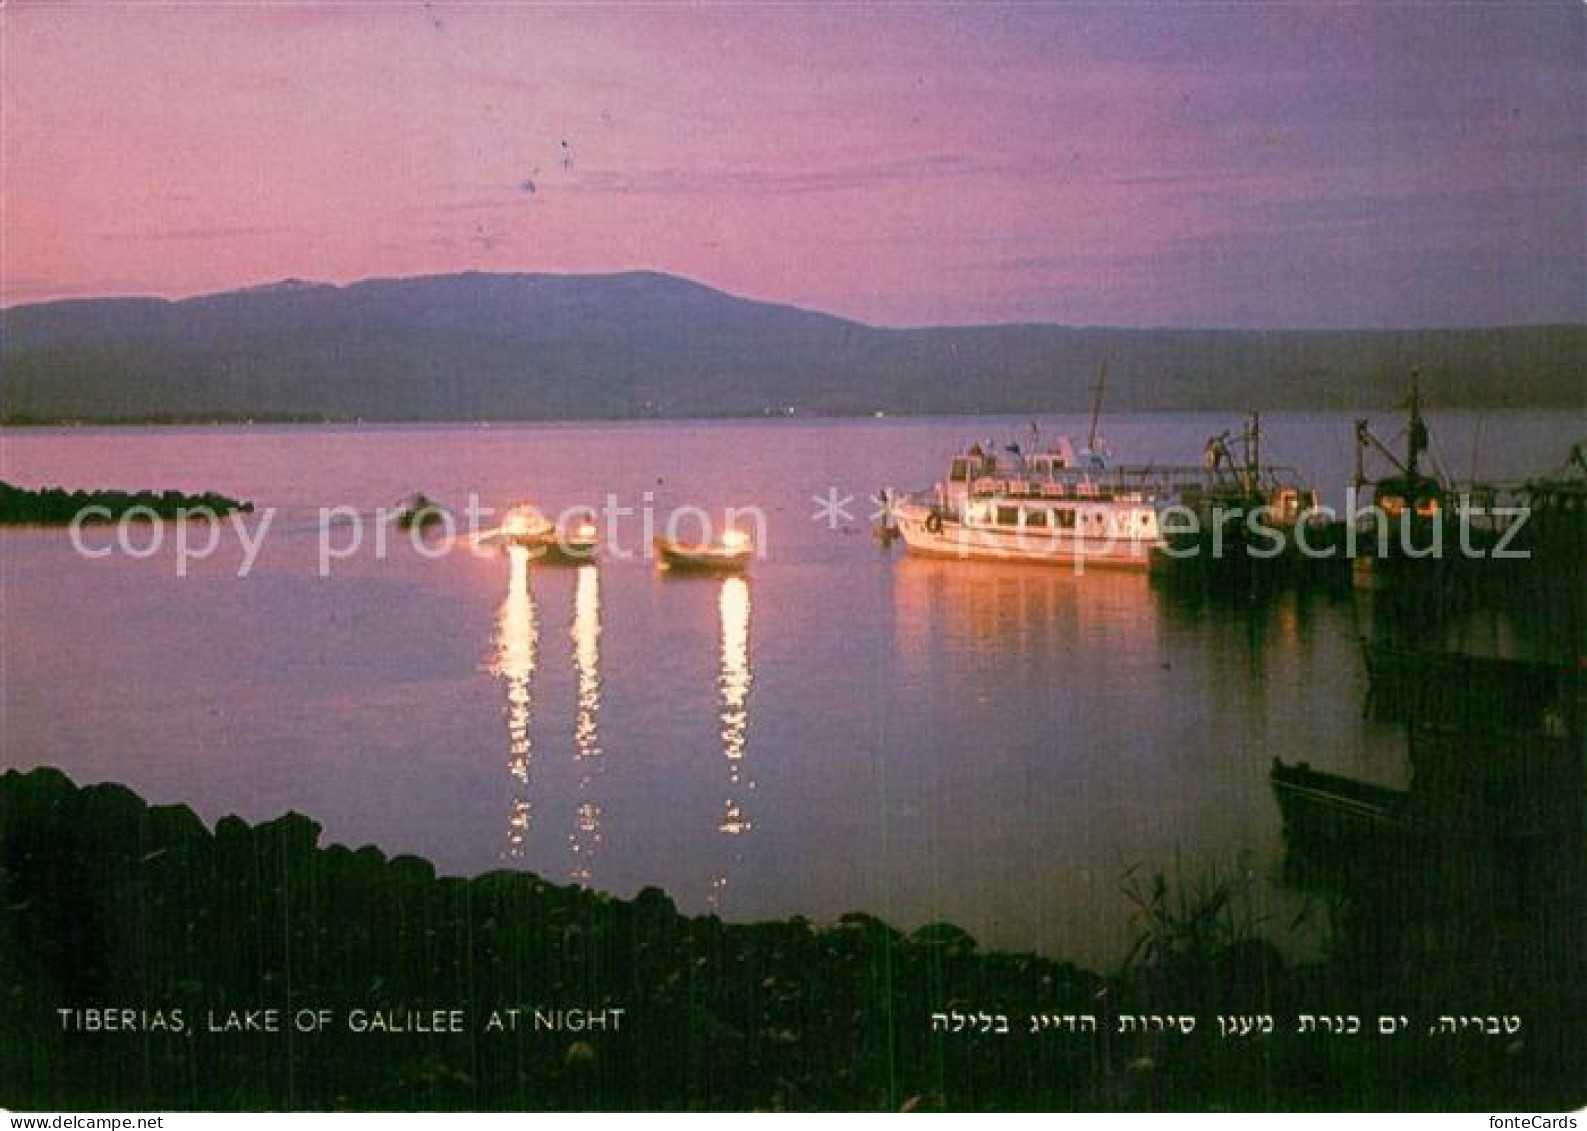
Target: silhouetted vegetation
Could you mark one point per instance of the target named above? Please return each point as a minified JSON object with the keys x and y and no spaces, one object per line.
{"x":53,"y":506}
{"x":166,"y":419}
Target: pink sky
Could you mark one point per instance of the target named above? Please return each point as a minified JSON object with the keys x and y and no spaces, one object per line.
{"x":1121,"y":165}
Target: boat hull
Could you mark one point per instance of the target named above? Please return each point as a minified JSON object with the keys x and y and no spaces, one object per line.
{"x":702,"y":558}
{"x":559,"y":552}
{"x":549,"y":546}
{"x":952,"y":539}
{"x":1327,"y":806}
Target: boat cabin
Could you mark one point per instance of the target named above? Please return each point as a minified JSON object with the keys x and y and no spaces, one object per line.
{"x":982,"y":471}
{"x":1417,"y":494}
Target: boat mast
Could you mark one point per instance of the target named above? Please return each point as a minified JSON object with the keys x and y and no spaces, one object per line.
{"x":1096,"y":405}
{"x":1252,"y":473}
{"x":1416,"y":438}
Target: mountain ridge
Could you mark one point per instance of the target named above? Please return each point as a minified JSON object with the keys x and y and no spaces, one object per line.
{"x":494,"y":346}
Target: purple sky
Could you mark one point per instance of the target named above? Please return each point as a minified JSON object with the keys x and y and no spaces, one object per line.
{"x":1117,"y":164}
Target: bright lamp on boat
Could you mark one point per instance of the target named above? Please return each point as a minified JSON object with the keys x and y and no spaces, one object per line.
{"x":523,"y":520}
{"x":735,"y":540}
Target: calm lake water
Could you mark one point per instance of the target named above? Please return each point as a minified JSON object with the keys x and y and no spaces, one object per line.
{"x":842,"y":729}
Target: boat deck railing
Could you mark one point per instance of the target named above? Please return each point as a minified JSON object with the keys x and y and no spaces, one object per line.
{"x":1134,"y":481}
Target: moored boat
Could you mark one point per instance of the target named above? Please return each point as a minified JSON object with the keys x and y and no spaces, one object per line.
{"x":1057,"y":506}
{"x":1314,"y":802}
{"x":1408,"y":509}
{"x":1251,"y":519}
{"x":1037,"y":513}
{"x":731,"y":552}
{"x":575,"y":541}
{"x":420,"y":513}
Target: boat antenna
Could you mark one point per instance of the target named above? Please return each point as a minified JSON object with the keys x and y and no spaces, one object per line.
{"x":1416,"y":440}
{"x":1253,"y":450}
{"x":1096,"y":404}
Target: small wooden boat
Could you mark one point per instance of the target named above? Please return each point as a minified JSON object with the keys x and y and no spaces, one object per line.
{"x":1329,"y":807}
{"x":419,"y":513}
{"x":732,"y":552}
{"x":576,"y":541}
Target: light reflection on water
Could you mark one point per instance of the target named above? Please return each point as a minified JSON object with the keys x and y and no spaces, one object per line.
{"x":517,"y":639}
{"x":735,"y":682}
{"x":517,"y":645}
{"x":584,"y":841}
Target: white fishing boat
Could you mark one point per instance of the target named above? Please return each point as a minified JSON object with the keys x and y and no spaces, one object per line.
{"x":1056,"y":506}
{"x":1064,"y":506}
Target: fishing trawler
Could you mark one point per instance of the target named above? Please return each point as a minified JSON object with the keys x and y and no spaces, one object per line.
{"x":1409,"y":502}
{"x":1252,"y":521}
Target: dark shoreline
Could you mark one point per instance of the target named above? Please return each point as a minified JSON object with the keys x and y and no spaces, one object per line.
{"x":109,"y":902}
{"x":56,"y":506}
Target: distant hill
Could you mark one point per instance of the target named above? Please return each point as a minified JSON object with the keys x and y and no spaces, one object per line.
{"x":480,"y":346}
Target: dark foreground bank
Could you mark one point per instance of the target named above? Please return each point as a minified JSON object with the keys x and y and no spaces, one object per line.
{"x":109,"y":903}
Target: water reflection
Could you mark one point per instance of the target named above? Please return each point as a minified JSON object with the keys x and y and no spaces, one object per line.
{"x":734,"y":684}
{"x":982,"y":613}
{"x":517,"y":641}
{"x":585,"y":839}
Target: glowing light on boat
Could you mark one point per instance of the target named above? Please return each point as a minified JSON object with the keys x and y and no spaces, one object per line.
{"x":523,"y":520}
{"x":734,"y":823}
